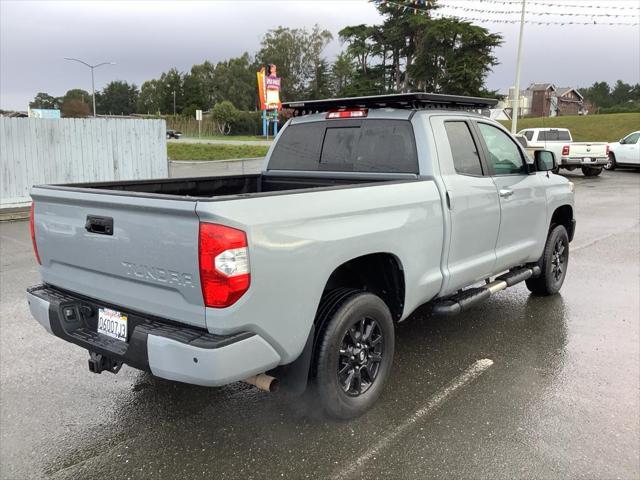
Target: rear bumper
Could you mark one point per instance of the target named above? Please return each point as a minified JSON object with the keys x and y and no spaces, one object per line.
{"x":167,"y":350}
{"x":583,"y":162}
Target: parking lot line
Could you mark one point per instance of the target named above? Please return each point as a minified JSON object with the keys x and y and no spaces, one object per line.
{"x":471,"y":373}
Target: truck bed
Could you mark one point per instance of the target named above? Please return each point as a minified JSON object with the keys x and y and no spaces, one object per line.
{"x":228,"y":185}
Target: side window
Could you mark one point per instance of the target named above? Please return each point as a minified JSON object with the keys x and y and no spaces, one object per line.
{"x":504,"y":154}
{"x":463,"y":149}
{"x":632,"y":139}
{"x":529,"y":135}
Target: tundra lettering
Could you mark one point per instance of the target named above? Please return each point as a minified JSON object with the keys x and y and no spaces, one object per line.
{"x":158,"y":274}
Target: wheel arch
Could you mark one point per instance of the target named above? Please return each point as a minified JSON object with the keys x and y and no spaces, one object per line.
{"x":563,"y":215}
{"x":380,"y":273}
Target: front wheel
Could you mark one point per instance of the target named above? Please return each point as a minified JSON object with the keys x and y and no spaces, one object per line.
{"x":354,"y":356}
{"x":591,"y":171}
{"x":611,"y":162}
{"x":553,"y":264}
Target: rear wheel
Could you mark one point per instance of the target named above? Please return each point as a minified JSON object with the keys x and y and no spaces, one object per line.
{"x":611,"y":162}
{"x":591,"y":171}
{"x":553,"y":264}
{"x":354,"y":356}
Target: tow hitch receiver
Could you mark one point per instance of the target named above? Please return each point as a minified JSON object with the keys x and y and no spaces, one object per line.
{"x":99,"y":363}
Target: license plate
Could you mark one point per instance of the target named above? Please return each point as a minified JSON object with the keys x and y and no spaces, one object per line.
{"x":586,"y":159}
{"x":112,"y":323}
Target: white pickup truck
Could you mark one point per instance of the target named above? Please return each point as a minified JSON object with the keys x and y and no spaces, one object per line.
{"x":590,"y":156}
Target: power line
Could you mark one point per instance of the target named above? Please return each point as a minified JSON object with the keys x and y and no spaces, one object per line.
{"x":531,"y":12}
{"x":559,"y":4}
{"x":436,"y":14}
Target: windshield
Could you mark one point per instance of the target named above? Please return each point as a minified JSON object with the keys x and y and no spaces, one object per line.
{"x":347,"y":146}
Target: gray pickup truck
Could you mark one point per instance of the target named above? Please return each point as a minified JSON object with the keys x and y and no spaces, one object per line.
{"x":366,"y":208}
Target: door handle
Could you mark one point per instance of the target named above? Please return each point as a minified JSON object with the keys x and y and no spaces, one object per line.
{"x":505,"y":193}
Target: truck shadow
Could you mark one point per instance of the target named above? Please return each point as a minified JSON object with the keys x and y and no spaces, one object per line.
{"x":240,"y":432}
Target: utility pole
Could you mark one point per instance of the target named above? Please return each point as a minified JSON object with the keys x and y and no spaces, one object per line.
{"x":516,"y":94}
{"x":93,"y":85}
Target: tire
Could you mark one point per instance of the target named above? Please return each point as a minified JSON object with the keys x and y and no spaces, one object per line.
{"x":611,"y":162}
{"x":354,"y":356}
{"x":591,"y":171}
{"x":553,"y":264}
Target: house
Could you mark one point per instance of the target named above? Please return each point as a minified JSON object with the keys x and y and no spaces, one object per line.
{"x":547,"y":100}
{"x":542,"y":99}
{"x":570,"y":101}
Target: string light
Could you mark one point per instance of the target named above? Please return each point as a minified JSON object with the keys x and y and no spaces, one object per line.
{"x":511,"y":12}
{"x":558,"y":4}
{"x":437,"y":14}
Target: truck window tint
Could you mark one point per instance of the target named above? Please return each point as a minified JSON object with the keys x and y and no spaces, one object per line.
{"x":554,"y":136}
{"x":504,"y":154}
{"x":358,"y":146}
{"x":386,"y":146}
{"x":529,"y":135}
{"x":463,"y":149}
{"x":298,"y":147}
{"x":339,"y":145}
{"x":522,"y":141}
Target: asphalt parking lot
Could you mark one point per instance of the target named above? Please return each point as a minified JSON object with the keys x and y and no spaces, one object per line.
{"x":556,"y":393}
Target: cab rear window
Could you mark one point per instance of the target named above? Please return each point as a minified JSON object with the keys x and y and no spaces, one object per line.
{"x":369,"y":145}
{"x":553,"y":135}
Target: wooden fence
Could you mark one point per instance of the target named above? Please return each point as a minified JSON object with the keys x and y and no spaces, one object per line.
{"x":36,"y":151}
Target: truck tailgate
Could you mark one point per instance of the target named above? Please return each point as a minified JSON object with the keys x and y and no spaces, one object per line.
{"x":586,"y":150}
{"x":146,"y":262}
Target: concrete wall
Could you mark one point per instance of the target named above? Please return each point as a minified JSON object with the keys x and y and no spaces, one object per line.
{"x":35,"y":151}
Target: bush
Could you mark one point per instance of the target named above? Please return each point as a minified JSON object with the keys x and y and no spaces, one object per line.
{"x":224,"y":114}
{"x":630,"y":107}
{"x":247,"y":123}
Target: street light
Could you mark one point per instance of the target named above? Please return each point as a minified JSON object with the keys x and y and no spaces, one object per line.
{"x":93,"y":86}
{"x":516,"y":95}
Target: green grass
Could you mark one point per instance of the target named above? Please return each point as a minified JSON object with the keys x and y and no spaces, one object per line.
{"x":595,"y":128}
{"x":206,"y":151}
{"x":242,"y":138}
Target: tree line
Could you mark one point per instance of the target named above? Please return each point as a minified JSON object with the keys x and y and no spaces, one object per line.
{"x":619,"y":98}
{"x":406,"y":52}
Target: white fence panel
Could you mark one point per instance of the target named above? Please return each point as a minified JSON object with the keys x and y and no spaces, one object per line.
{"x":34,"y":151}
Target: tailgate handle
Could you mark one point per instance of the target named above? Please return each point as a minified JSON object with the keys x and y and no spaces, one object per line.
{"x":100,"y":225}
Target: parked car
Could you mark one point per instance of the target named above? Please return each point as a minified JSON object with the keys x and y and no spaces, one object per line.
{"x":625,"y":153}
{"x":173,"y":134}
{"x":591,"y":157}
{"x":365,"y":210}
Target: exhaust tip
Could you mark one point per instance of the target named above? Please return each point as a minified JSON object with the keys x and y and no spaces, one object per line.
{"x":264,"y":382}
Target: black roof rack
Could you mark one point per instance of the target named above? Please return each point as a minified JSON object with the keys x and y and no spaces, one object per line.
{"x":410,"y":101}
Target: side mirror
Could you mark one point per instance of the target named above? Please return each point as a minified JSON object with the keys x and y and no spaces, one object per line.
{"x":545,"y":160}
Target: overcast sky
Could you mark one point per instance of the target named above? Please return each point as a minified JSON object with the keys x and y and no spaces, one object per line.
{"x":146,"y":38}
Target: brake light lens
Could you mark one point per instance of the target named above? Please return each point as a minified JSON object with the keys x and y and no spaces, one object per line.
{"x":32,"y":230}
{"x":224,"y":264}
{"x":351,"y":113}
{"x":565,"y":150}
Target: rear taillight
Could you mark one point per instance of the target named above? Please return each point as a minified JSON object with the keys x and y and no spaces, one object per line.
{"x":224,"y":264}
{"x":565,"y":150}
{"x":350,"y":113}
{"x":32,"y":229}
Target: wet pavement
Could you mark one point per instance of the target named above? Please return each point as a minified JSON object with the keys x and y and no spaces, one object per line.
{"x":561,"y":398}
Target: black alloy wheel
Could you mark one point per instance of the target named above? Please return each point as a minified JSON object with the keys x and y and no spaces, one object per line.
{"x":360,"y":355}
